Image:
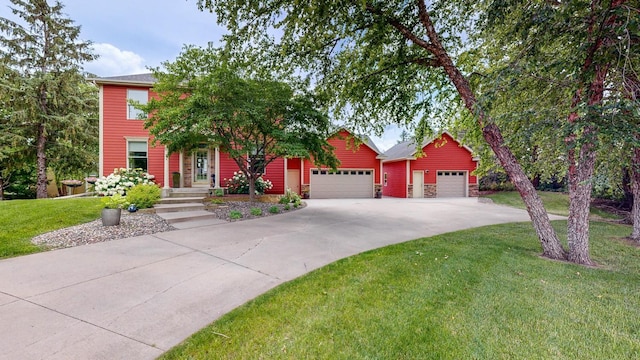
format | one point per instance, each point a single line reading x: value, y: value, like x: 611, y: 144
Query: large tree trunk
x: 41, y: 183
x: 580, y: 184
x: 251, y: 177
x: 635, y: 185
x: 551, y: 246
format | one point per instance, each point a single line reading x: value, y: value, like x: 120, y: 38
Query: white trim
x: 286, y: 175
x: 136, y: 139
x: 217, y: 167
x: 408, y: 176
x: 181, y: 167
x: 101, y: 132
x: 166, y: 167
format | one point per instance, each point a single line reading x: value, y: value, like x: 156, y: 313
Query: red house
x: 359, y: 174
x: 444, y: 169
x: 124, y: 143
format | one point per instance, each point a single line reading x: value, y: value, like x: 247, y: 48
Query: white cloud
x: 389, y: 138
x: 113, y: 61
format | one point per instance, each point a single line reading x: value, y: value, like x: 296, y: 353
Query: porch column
x: 166, y: 168
x: 217, y: 168
x: 286, y: 176
x: 181, y: 168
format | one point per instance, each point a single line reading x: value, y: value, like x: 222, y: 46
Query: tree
x: 203, y: 98
x: 570, y: 52
x: 381, y: 61
x: 48, y: 98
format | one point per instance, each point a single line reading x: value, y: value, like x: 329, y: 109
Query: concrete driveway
x: 136, y: 298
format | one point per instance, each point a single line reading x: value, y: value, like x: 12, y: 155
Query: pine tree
x: 49, y: 102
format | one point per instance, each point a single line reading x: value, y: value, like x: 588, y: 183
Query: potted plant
x: 112, y: 209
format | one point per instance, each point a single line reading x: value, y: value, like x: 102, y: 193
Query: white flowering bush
x: 121, y: 180
x: 239, y: 184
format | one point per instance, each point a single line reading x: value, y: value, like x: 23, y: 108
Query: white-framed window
x: 140, y: 96
x: 385, y: 179
x: 137, y: 155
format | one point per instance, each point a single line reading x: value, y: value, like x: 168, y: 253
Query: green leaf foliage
x: 49, y: 110
x: 256, y: 120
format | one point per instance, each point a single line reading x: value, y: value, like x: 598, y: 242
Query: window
x: 140, y: 96
x: 137, y: 151
x: 385, y: 179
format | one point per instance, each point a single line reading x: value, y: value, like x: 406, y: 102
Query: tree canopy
x: 204, y: 98
x: 398, y: 61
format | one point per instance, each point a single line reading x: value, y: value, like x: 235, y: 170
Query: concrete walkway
x: 136, y: 298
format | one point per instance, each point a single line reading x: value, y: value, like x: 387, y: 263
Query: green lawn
x: 555, y: 203
x: 477, y: 294
x: 21, y: 220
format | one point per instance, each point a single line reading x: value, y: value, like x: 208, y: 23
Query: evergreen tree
x: 49, y: 100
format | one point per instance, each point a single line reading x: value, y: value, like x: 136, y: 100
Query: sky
x: 130, y: 36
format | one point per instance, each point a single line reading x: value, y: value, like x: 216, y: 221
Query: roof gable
x: 407, y: 150
x: 365, y: 139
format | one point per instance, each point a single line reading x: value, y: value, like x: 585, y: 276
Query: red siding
x: 116, y: 128
x: 293, y: 164
x: 361, y: 157
x: 396, y: 179
x: 274, y: 173
x: 443, y: 154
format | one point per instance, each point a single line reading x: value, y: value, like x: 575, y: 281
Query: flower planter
x: 111, y: 217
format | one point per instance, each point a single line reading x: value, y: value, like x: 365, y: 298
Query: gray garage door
x: 451, y: 184
x: 343, y: 183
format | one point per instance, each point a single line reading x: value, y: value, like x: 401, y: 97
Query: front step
x: 180, y: 200
x: 188, y: 192
x: 176, y: 217
x: 179, y: 207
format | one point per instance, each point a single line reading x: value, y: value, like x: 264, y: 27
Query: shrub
x: 289, y: 197
x: 274, y: 209
x: 218, y: 192
x: 143, y: 195
x: 235, y: 215
x: 122, y: 180
x: 287, y: 207
x: 115, y: 201
x: 256, y: 211
x: 239, y: 184
x: 217, y: 201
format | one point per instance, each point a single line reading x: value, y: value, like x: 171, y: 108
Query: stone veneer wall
x: 473, y: 190
x: 410, y: 191
x: 187, y: 172
x: 430, y: 190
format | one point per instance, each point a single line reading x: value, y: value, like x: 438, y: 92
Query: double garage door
x: 343, y: 183
x: 452, y: 184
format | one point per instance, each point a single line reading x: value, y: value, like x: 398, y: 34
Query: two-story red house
x: 124, y: 143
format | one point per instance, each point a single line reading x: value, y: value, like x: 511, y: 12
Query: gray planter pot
x: 111, y: 217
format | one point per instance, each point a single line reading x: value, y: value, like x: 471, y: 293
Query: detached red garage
x: 444, y: 170
x: 358, y: 175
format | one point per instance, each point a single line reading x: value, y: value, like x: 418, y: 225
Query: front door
x: 293, y: 180
x: 418, y: 184
x: 201, y: 166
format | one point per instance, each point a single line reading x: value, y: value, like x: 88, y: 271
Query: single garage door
x: 451, y: 184
x: 343, y: 183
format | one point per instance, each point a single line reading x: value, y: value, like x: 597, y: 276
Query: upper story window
x: 141, y: 96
